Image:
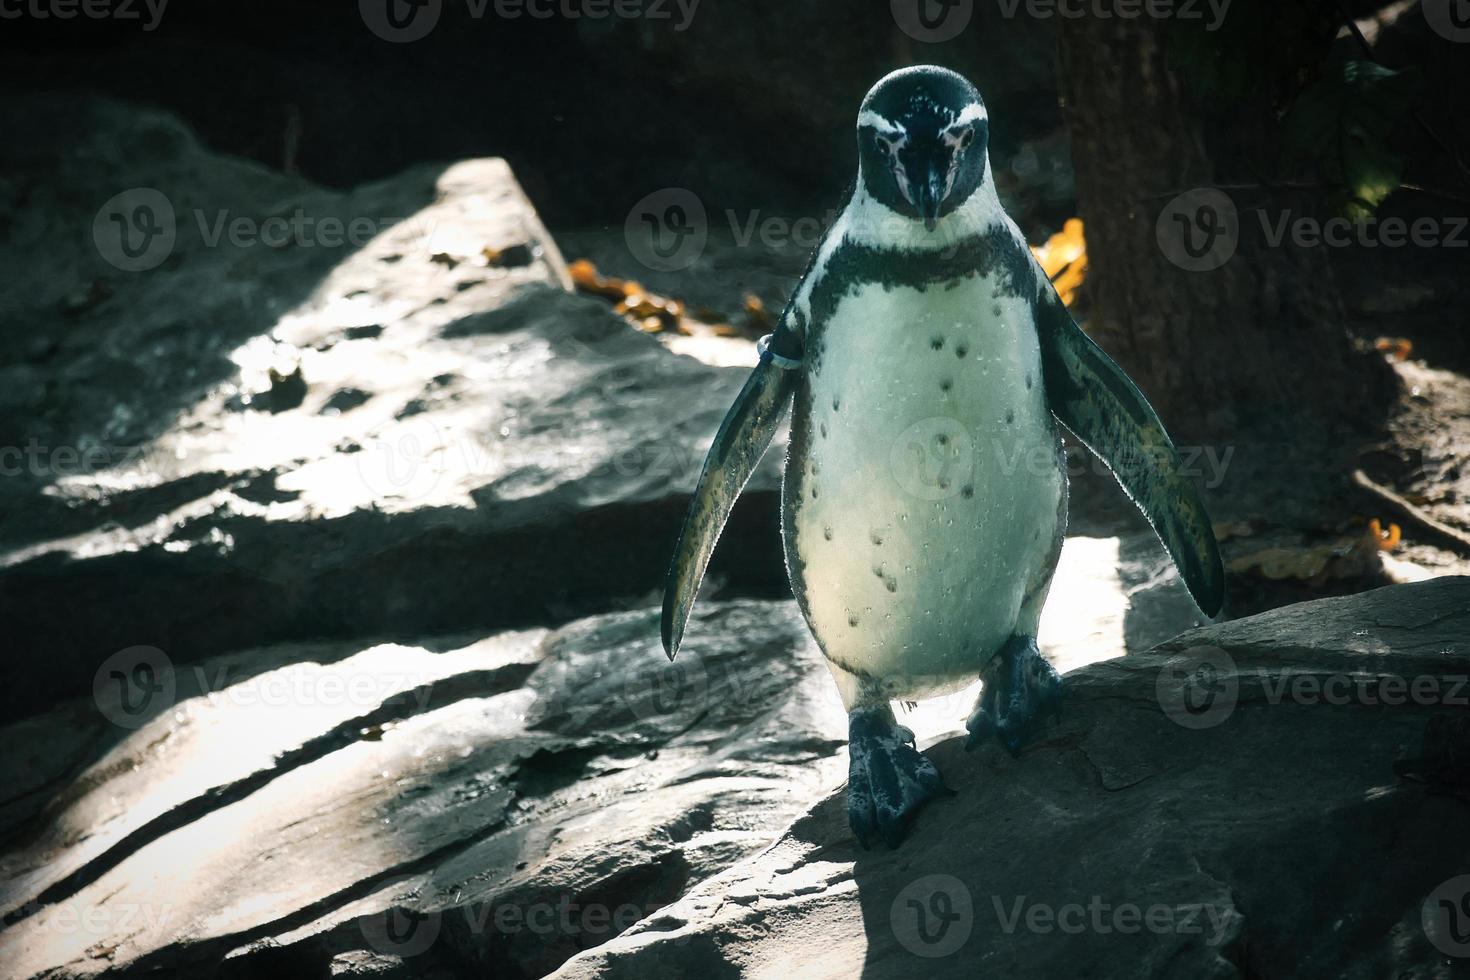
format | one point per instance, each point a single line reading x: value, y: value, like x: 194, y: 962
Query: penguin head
x: 922, y: 135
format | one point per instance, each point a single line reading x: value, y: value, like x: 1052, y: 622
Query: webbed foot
x: 888, y: 779
x: 1021, y: 688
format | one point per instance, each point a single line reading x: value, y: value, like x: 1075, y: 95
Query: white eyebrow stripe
x: 870, y: 118
x: 970, y: 113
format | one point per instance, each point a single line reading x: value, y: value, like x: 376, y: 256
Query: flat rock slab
x: 527, y: 794
x: 1284, y: 795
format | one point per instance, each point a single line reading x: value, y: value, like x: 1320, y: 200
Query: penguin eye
x: 883, y: 143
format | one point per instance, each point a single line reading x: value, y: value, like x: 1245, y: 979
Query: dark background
x: 750, y: 106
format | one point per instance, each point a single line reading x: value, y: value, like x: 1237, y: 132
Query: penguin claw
x: 1021, y: 688
x: 888, y: 779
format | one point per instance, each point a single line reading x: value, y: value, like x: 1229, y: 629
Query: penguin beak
x: 931, y: 196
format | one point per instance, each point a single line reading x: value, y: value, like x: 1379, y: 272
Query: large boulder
x: 366, y: 413
x: 1280, y: 795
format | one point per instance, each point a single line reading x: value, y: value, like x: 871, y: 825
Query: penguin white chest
x: 924, y: 492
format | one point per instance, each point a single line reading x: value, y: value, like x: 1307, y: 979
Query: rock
x: 1266, y: 832
x: 523, y: 795
x: 387, y: 435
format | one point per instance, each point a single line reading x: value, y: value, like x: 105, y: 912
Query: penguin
x: 928, y: 365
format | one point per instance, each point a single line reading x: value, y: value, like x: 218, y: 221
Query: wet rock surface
x: 1269, y: 816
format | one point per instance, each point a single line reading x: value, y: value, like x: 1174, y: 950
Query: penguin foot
x: 888, y: 779
x: 1021, y: 688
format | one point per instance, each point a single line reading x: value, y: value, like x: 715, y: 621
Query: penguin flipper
x: 737, y: 448
x: 1092, y: 397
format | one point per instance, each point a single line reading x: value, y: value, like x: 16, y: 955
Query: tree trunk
x: 1260, y: 338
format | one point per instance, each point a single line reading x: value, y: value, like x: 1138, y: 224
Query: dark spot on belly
x: 835, y: 404
x: 942, y: 439
x: 1028, y: 380
x: 944, y: 483
x: 814, y: 493
x: 824, y: 430
x: 1010, y: 415
x: 877, y: 537
x: 961, y: 351
x: 827, y: 532
x: 967, y: 491
x: 995, y: 310
x: 852, y: 619
x: 946, y: 384
x: 890, y: 583
x: 937, y: 343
